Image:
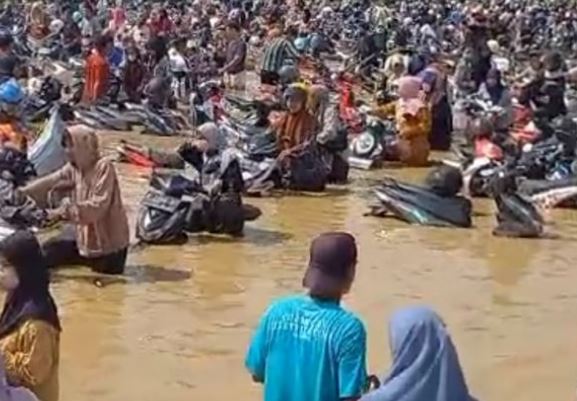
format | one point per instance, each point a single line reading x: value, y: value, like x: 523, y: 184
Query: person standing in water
x: 308, y: 347
x: 29, y: 324
x: 425, y: 363
x: 99, y: 234
x: 97, y: 70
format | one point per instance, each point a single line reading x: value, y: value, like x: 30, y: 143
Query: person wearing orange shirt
x: 97, y: 71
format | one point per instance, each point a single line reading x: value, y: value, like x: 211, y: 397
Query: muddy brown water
x: 177, y: 327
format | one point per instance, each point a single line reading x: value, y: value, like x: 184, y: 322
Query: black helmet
x: 445, y: 181
x: 288, y: 74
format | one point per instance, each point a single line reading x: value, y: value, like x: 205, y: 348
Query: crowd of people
x: 420, y: 59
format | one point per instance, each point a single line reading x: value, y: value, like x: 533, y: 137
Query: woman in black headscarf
x: 29, y: 323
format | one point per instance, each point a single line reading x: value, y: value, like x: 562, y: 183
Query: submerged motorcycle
x: 208, y: 200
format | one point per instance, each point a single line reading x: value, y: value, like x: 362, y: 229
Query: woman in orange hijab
x: 297, y: 126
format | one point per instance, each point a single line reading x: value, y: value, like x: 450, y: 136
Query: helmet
x: 288, y: 74
x: 295, y: 92
x: 445, y: 181
x: 56, y: 26
x: 77, y: 17
x: 11, y: 92
x: 11, y: 96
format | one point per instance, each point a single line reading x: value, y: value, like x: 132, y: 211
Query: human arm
x: 32, y: 364
x: 40, y: 189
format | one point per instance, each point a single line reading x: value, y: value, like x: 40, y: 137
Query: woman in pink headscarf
x: 117, y: 19
x: 413, y: 119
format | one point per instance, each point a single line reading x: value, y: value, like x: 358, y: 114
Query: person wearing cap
x: 308, y: 347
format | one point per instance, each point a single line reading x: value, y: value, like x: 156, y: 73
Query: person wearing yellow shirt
x: 29, y: 323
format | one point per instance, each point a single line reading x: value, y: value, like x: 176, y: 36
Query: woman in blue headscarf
x: 425, y: 363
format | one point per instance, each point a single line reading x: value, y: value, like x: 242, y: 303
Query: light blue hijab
x: 425, y: 363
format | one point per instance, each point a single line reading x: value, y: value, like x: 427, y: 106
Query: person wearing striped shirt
x: 276, y: 55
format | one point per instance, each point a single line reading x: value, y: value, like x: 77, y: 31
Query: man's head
x: 103, y: 44
x: 232, y: 30
x: 291, y: 32
x: 332, y: 265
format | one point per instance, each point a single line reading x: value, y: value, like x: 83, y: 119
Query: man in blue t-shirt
x: 307, y: 347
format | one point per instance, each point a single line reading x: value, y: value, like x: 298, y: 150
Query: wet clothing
x: 278, y: 53
x: 62, y: 250
x: 96, y: 203
x: 31, y: 357
x: 425, y: 363
x: 306, y: 349
x: 97, y: 75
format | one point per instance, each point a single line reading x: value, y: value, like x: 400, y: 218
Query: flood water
x: 177, y: 327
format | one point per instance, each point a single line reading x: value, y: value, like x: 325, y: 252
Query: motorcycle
x: 377, y: 143
x: 178, y: 204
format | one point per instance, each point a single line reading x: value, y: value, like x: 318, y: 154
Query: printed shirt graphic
x: 308, y: 350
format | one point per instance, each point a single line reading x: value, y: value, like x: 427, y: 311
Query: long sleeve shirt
x: 31, y: 358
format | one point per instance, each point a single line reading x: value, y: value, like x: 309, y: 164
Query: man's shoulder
x: 352, y: 322
x: 287, y: 302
